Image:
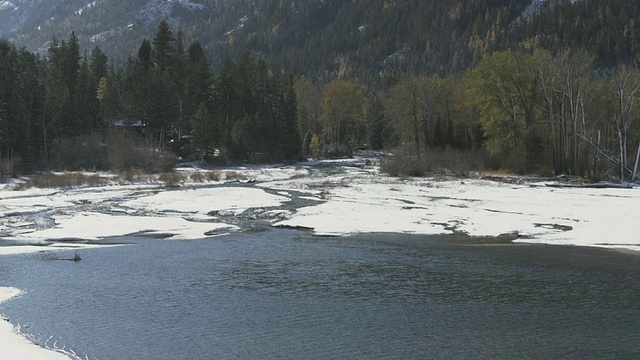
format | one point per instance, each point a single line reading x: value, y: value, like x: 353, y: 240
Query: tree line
x: 524, y: 111
x: 521, y: 110
x: 72, y: 110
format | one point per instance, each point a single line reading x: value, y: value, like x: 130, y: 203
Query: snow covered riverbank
x: 340, y: 198
x: 329, y: 198
x: 16, y: 346
x: 529, y: 212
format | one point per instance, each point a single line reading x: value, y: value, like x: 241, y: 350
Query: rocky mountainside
x: 106, y: 23
x: 336, y: 38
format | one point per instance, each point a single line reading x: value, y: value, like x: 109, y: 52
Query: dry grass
x: 202, y: 176
x: 214, y: 176
x: 172, y: 179
x: 197, y: 176
x: 64, y: 180
x: 128, y: 176
x: 447, y: 161
x: 131, y: 175
x: 234, y: 175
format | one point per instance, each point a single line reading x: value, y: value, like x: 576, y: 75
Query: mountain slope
x: 328, y: 38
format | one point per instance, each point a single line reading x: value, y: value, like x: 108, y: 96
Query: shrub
x: 164, y: 162
x: 335, y: 151
x: 10, y: 166
x: 85, y: 152
x: 171, y: 179
x: 448, y: 160
x: 404, y: 165
x: 233, y: 175
x: 213, y: 176
x: 130, y: 175
x: 64, y: 180
x: 201, y: 176
x: 127, y: 153
x: 197, y: 176
x: 516, y: 161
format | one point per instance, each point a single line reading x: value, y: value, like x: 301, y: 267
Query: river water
x: 282, y: 294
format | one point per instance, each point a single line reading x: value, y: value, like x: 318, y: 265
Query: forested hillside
x: 326, y: 39
x: 543, y: 86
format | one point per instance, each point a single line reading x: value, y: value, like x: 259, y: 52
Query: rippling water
x: 287, y: 295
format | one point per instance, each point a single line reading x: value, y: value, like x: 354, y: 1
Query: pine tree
x: 197, y: 81
x: 99, y: 64
x: 203, y: 131
x: 266, y: 139
x: 8, y: 59
x: 144, y: 54
x: 29, y: 99
x: 163, y: 49
x: 226, y: 101
x: 291, y: 142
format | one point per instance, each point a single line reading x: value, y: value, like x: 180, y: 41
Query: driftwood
x: 592, y: 186
x: 46, y: 255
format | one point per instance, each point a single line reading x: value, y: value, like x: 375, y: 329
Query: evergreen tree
x: 99, y: 64
x: 8, y: 62
x: 144, y: 54
x: 267, y: 138
x: 163, y: 47
x: 226, y: 101
x: 198, y: 81
x: 203, y: 131
x: 29, y: 100
x: 64, y: 62
x: 291, y: 142
x: 71, y: 62
x: 87, y: 118
x: 247, y: 80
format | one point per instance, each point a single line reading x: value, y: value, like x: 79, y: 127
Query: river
x: 284, y: 294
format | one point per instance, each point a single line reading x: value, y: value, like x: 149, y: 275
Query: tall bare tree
x: 627, y: 88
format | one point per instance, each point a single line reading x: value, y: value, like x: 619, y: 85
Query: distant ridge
x: 337, y: 38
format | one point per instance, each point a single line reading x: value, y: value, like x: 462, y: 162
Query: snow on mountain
x: 18, y: 16
x: 33, y: 22
x: 534, y: 7
x: 537, y: 5
x: 190, y: 5
x: 88, y: 6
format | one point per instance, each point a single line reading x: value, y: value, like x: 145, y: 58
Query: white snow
x: 351, y: 198
x: 86, y: 7
x: 344, y: 197
x: 191, y: 5
x: 95, y: 226
x: 206, y: 200
x: 539, y: 214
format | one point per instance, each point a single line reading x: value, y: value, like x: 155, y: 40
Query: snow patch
x: 87, y: 7
x: 96, y: 226
x: 204, y: 201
